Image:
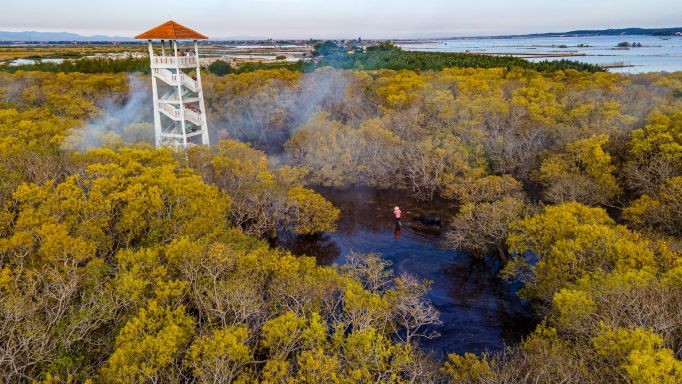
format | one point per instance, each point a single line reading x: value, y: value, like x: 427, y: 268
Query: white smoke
x: 267, y: 117
x: 265, y: 120
x: 118, y: 124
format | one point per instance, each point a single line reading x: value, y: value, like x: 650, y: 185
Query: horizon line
x: 261, y: 38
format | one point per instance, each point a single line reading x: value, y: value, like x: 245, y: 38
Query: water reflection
x: 479, y: 311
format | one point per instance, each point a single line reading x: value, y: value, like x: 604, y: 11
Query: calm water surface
x: 656, y: 54
x: 18, y: 62
x: 479, y: 311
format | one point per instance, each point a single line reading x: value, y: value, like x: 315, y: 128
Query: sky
x: 369, y: 19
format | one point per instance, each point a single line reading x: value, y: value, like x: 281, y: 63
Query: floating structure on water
x: 179, y: 110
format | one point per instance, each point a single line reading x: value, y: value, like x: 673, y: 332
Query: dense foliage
x: 220, y: 68
x: 85, y: 65
x: 125, y: 263
x: 381, y: 56
x: 133, y: 265
x: 299, y: 66
x: 574, y: 134
x: 389, y: 56
x: 490, y: 138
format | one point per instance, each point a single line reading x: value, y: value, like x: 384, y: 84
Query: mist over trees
x: 574, y: 133
x: 124, y: 263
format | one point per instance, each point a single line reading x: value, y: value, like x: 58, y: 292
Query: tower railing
x: 193, y: 116
x: 175, y: 114
x: 173, y: 62
x: 174, y: 79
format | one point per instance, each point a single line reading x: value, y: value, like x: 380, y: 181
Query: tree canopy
x: 122, y: 263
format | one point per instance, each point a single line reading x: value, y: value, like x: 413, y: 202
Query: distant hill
x: 616, y: 32
x: 585, y: 32
x: 55, y: 36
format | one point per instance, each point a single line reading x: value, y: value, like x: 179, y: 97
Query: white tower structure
x: 179, y: 110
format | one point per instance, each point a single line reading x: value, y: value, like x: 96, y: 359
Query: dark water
x: 479, y: 311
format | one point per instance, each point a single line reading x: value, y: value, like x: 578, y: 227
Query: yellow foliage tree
x: 584, y: 173
x: 571, y: 241
x: 222, y: 356
x: 148, y: 344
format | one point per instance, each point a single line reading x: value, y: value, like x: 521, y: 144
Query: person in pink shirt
x: 397, y: 213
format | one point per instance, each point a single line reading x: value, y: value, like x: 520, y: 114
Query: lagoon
x: 656, y: 53
x: 480, y: 312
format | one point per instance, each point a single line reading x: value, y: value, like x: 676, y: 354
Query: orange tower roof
x: 171, y: 30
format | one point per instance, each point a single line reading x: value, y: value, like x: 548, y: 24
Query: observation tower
x: 179, y: 110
